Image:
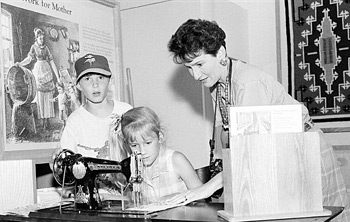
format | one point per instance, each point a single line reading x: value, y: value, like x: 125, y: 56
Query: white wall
x: 262, y: 18
x: 183, y: 105
x: 267, y: 36
x: 262, y: 33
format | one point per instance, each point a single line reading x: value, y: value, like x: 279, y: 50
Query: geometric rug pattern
x: 320, y: 55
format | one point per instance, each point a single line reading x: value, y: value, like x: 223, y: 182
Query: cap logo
x: 90, y: 59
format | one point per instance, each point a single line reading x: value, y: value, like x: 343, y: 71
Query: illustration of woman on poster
x: 43, y: 70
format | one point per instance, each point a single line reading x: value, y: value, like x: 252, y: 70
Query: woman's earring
x: 223, y: 62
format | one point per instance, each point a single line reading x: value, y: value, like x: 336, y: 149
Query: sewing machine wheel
x: 58, y: 169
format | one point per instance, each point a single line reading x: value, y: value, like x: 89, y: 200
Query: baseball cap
x: 91, y: 63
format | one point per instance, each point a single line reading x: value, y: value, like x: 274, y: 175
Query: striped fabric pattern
x: 164, y: 180
x: 333, y: 185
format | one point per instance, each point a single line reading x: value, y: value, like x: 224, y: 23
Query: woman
x: 42, y: 71
x: 200, y: 46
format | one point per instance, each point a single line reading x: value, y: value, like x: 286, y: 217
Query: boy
x: 88, y: 127
x: 61, y: 98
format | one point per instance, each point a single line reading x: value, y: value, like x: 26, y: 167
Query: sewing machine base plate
x: 108, y: 207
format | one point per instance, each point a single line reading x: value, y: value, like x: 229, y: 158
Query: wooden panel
x: 273, y: 175
x: 17, y: 186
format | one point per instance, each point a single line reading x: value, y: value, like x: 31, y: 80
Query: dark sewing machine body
x: 85, y: 173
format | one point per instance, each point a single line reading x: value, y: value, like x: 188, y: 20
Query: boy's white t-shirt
x: 87, y: 134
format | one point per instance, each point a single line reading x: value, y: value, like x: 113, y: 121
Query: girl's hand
x: 199, y: 193
x: 177, y: 199
x: 187, y: 196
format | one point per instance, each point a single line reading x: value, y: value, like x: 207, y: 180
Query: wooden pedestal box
x: 272, y: 176
x: 17, y: 184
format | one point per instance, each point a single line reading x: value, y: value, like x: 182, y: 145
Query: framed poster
x: 41, y: 40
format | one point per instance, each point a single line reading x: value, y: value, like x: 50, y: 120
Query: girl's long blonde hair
x: 137, y: 121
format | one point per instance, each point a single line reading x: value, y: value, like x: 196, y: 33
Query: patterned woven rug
x: 319, y: 36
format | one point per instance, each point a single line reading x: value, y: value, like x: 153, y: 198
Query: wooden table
x: 208, y: 212
x: 198, y: 212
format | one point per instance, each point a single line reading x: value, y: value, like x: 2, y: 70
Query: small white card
x: 248, y: 120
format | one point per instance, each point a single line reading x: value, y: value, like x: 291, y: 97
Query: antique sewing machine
x: 87, y: 173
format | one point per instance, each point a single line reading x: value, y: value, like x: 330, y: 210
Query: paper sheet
x: 154, y: 207
x: 248, y: 120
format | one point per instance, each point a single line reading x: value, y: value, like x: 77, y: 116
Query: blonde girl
x: 166, y: 171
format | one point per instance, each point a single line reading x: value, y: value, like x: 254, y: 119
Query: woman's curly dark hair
x: 193, y: 36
